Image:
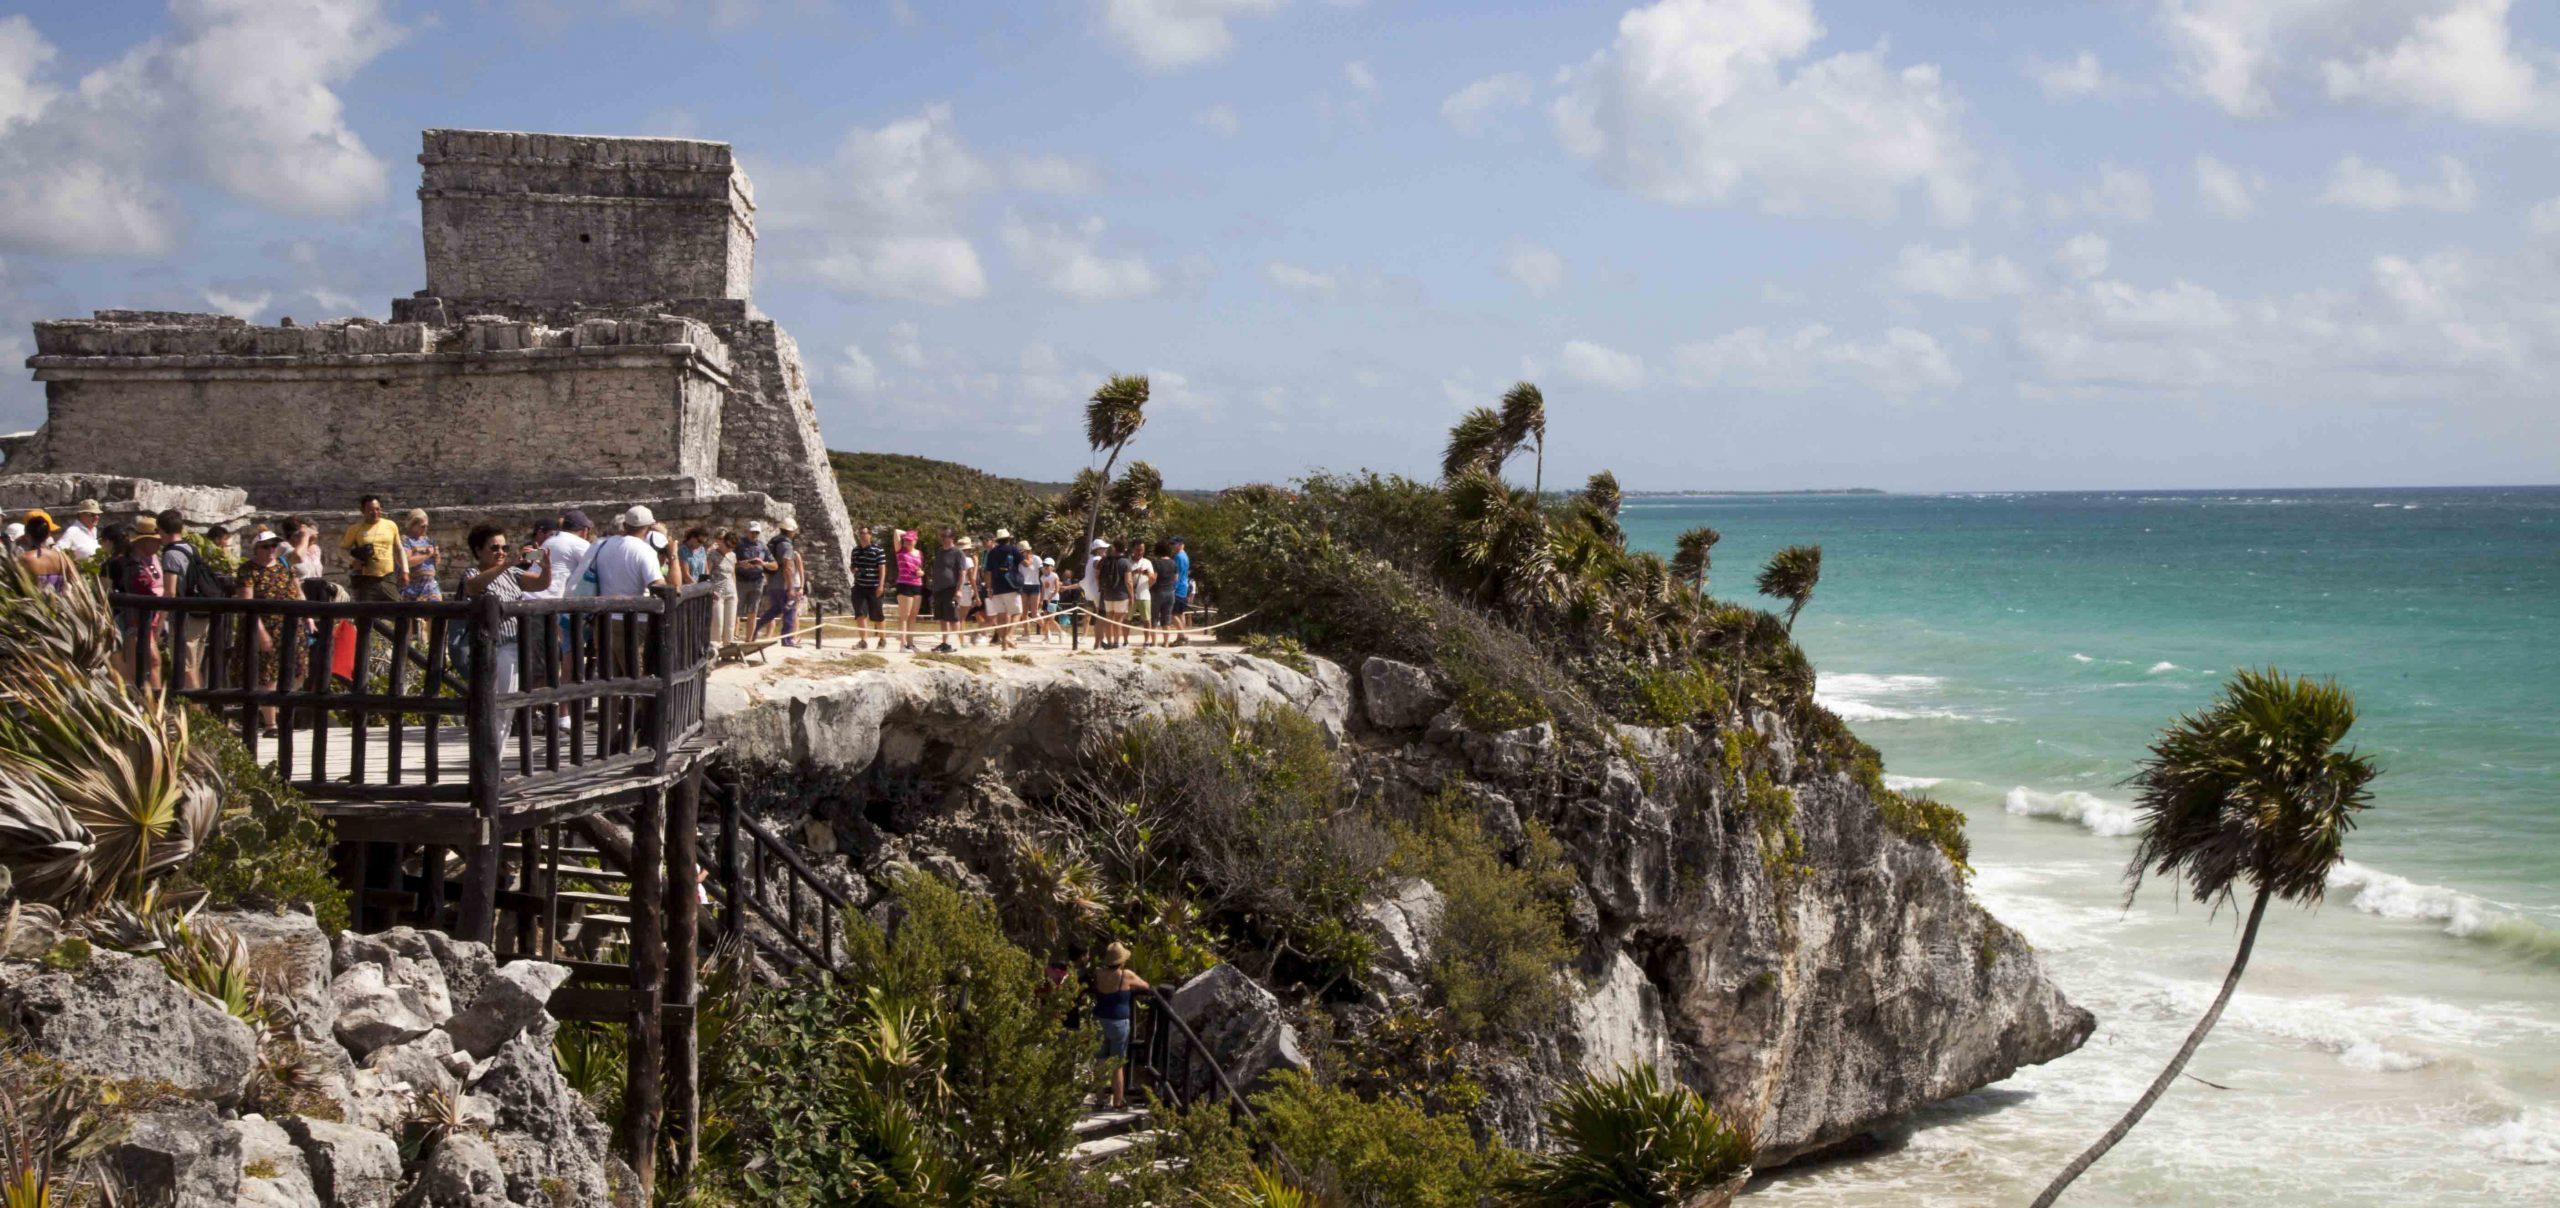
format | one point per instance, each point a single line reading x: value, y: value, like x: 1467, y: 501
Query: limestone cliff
x: 1818, y: 996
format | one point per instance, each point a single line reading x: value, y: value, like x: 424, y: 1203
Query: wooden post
x: 684, y: 967
x: 658, y: 663
x: 481, y: 713
x: 644, y: 1076
x: 733, y: 919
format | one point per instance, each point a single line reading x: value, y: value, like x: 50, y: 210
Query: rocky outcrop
x: 1243, y: 1027
x: 379, y: 1023
x: 1817, y: 974
x: 950, y: 720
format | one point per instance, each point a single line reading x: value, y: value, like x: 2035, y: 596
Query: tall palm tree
x: 1791, y: 575
x: 1476, y: 442
x: 2253, y: 788
x: 1111, y: 419
x: 1691, y: 555
x: 1140, y: 488
x: 1524, y: 420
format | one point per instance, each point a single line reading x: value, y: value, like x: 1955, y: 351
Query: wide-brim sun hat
x: 86, y: 507
x: 1117, y: 953
x: 1004, y: 534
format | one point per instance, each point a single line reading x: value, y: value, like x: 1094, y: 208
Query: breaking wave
x: 2461, y: 915
x: 2090, y: 810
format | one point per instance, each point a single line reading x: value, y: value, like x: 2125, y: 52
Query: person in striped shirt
x: 870, y: 567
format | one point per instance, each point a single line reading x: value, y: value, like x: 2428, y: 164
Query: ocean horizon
x: 2012, y: 652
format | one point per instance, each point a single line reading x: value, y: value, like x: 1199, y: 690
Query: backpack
x: 194, y: 575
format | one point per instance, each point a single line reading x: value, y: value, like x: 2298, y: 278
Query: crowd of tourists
x: 951, y: 588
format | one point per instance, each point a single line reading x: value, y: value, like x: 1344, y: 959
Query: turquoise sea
x: 2013, y: 653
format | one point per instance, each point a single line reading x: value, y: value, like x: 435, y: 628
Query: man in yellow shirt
x: 375, y: 569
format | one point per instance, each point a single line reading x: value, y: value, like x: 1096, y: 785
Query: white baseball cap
x: 755, y: 526
x: 1099, y: 543
x: 657, y: 540
x: 639, y: 517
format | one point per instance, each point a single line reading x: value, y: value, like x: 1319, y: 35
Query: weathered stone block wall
x: 560, y: 217
x: 281, y: 411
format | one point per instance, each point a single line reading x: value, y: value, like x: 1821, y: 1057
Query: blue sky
x: 1740, y: 243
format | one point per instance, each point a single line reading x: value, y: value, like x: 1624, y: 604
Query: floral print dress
x: 274, y: 581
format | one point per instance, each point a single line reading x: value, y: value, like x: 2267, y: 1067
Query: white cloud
x: 885, y: 211
x: 1473, y: 109
x: 332, y: 303
x: 240, y: 95
x: 245, y: 306
x: 856, y: 371
x: 2543, y: 221
x: 2358, y: 185
x: 2455, y: 57
x: 2083, y: 255
x: 2432, y: 331
x: 2458, y: 61
x: 1167, y: 35
x: 2081, y: 76
x: 2226, y: 190
x: 1362, y: 80
x: 1601, y: 366
x: 1298, y: 280
x: 1066, y: 260
x: 906, y: 344
x: 1900, y: 362
x: 1710, y: 102
x: 1955, y: 273
x: 1219, y: 119
x: 1539, y: 270
x: 1053, y: 173
x: 2121, y: 194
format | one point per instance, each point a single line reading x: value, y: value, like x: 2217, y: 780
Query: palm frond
x: 1524, y: 414
x: 1791, y: 574
x: 2255, y: 787
x: 1693, y: 553
x: 1629, y: 1140
x: 1476, y: 443
x: 1116, y: 411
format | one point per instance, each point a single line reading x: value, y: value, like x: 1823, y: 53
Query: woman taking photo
x: 497, y: 570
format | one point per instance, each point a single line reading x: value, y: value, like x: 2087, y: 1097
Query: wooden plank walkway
x: 449, y: 755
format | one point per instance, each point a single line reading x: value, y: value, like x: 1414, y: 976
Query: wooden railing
x: 362, y: 706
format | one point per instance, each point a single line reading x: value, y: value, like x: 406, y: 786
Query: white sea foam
x: 2462, y: 915
x: 2163, y: 667
x: 1905, y: 784
x: 2078, y: 657
x: 1860, y: 697
x: 2531, y: 1138
x: 2098, y: 814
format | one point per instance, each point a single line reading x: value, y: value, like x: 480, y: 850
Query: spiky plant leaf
x: 1116, y: 411
x: 1692, y: 554
x: 72, y: 629
x: 118, y: 764
x: 1628, y: 1140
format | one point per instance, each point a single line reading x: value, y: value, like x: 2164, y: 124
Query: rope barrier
x: 1124, y: 624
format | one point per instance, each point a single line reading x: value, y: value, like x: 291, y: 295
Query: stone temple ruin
x: 585, y: 339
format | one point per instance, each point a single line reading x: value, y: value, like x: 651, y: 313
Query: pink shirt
x: 910, y: 568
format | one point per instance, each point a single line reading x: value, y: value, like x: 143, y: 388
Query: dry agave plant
x: 73, y: 628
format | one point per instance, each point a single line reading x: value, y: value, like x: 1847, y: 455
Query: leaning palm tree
x: 1476, y: 442
x: 1791, y: 575
x: 1111, y: 419
x: 1140, y: 487
x: 1691, y: 555
x: 2254, y: 788
x: 1524, y: 421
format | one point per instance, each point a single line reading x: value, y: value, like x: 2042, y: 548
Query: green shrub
x: 1501, y: 939
x: 1286, y: 651
x: 940, y: 1070
x: 271, y: 849
x: 1627, y: 1140
x: 1678, y: 696
x: 1771, y: 810
x: 1252, y: 820
x: 1917, y: 816
x: 1365, y: 1153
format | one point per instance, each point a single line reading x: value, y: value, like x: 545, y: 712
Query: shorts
x: 1181, y: 605
x: 866, y: 605
x: 1115, y: 608
x: 1005, y: 604
x: 1115, y: 1038
x: 910, y: 590
x: 1138, y: 609
x: 946, y: 606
